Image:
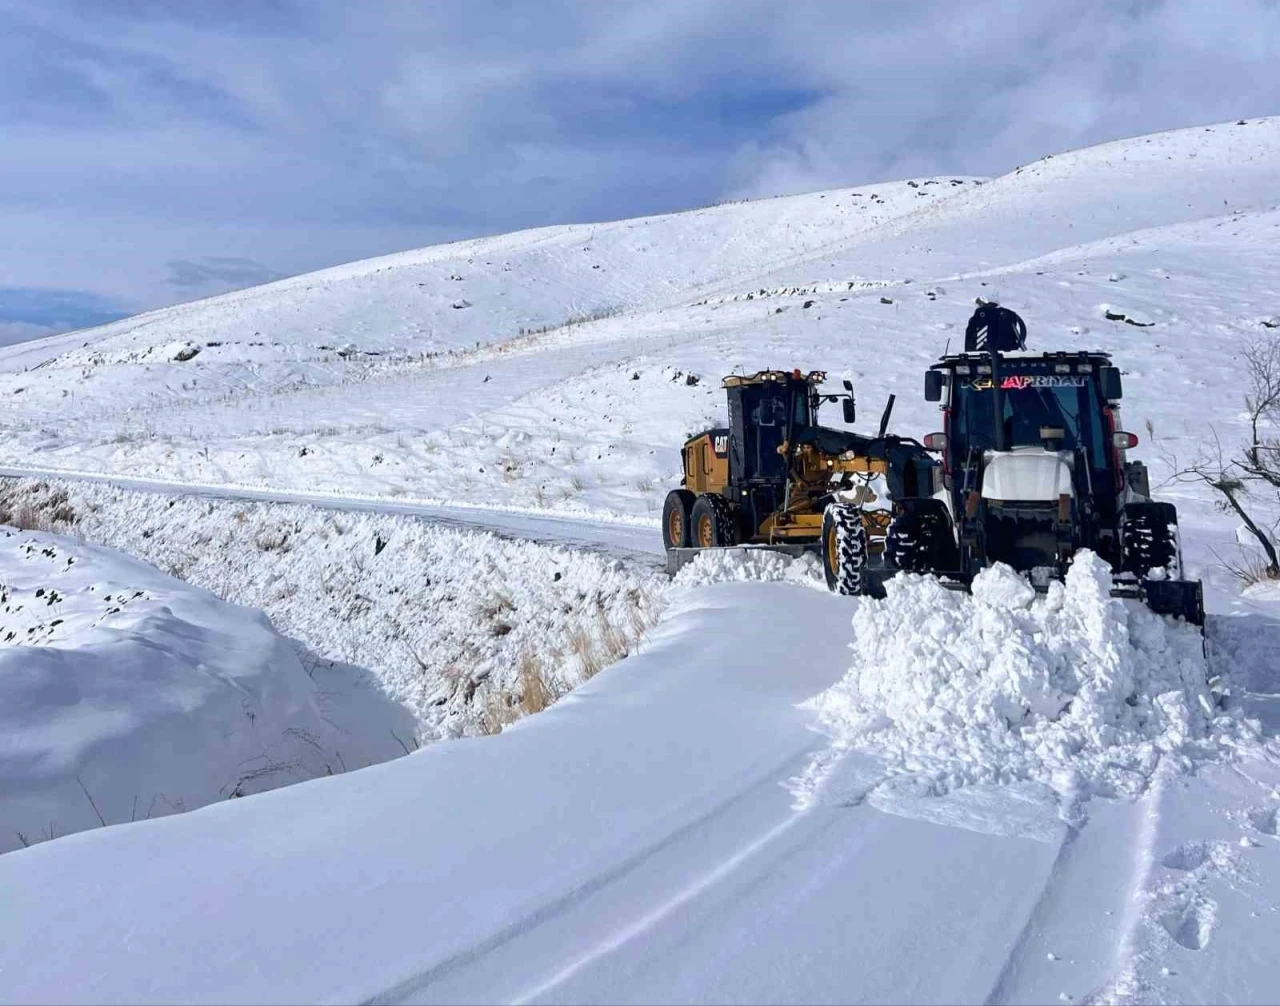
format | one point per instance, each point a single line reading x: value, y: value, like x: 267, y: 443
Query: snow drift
x: 126, y: 694
x: 1076, y: 690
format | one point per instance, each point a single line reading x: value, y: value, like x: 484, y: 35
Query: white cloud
x: 302, y: 134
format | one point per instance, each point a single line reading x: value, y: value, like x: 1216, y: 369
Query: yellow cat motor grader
x: 775, y: 479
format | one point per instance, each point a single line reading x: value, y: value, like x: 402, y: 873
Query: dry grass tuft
x: 604, y: 644
x: 35, y: 507
x: 1250, y: 569
x: 533, y: 692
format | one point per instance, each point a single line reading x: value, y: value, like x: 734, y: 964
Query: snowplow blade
x: 677, y: 558
x: 1174, y: 598
x: 1179, y: 598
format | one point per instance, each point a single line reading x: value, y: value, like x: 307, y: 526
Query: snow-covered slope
x: 1178, y: 230
x: 345, y: 323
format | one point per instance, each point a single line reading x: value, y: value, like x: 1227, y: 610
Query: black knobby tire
x: 1149, y: 539
x: 677, y: 513
x: 907, y: 544
x: 711, y: 522
x: 919, y: 540
x: 844, y: 549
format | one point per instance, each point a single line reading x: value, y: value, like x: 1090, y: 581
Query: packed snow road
x: 634, y: 538
x: 642, y: 841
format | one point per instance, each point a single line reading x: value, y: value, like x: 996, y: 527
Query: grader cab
x: 767, y: 479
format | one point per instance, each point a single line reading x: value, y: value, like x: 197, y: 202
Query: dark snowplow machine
x: 1034, y: 469
x: 774, y: 479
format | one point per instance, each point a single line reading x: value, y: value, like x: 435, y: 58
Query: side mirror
x: 933, y: 385
x: 850, y: 410
x: 935, y: 441
x: 1122, y: 441
x: 1111, y: 387
x: 848, y: 385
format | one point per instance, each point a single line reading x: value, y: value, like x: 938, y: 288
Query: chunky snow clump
x: 741, y: 564
x: 1075, y: 689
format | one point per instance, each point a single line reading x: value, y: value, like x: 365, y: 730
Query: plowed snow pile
x: 1077, y: 690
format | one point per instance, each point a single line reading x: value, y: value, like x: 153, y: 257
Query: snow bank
x: 467, y: 630
x: 126, y: 694
x: 1075, y: 690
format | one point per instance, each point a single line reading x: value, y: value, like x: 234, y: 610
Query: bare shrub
x: 1249, y: 568
x: 1254, y: 469
x: 28, y: 517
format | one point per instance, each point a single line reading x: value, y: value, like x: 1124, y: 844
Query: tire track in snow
x: 654, y: 916
x: 1021, y: 975
x: 1124, y: 981
x: 1003, y: 988
x: 412, y: 988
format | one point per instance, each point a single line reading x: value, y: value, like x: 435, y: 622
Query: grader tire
x: 712, y: 522
x: 677, y: 519
x: 844, y: 549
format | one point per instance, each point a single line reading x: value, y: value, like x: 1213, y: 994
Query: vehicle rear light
x: 935, y: 441
x: 1123, y: 441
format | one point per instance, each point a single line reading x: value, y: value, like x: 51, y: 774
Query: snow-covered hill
x: 365, y: 379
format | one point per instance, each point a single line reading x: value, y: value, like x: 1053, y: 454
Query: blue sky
x: 156, y: 152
